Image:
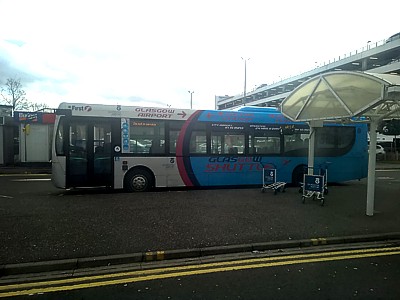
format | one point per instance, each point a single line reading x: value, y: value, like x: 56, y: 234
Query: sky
x: 152, y: 53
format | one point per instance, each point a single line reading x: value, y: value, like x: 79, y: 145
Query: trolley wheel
x: 322, y: 201
x: 283, y: 190
x: 301, y: 189
x: 275, y: 191
x: 326, y: 191
x: 303, y: 199
x: 262, y: 190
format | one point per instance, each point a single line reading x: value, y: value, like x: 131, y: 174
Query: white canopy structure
x: 349, y: 97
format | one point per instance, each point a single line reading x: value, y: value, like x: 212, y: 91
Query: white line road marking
x: 31, y: 179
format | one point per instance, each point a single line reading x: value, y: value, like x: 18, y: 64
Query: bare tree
x: 14, y: 95
x: 36, y: 106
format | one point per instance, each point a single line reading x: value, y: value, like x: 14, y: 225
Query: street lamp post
x: 245, y: 78
x: 191, y: 98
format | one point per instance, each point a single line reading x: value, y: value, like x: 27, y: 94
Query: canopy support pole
x: 311, y: 151
x: 371, y: 167
x: 314, y: 124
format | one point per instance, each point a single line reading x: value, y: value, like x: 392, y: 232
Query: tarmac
x: 45, y: 168
x: 27, y: 168
x: 191, y: 253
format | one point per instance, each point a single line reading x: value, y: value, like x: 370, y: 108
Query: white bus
x: 97, y: 145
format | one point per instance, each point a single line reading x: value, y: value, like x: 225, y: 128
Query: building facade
x: 7, y: 132
x: 35, y: 135
x: 380, y: 57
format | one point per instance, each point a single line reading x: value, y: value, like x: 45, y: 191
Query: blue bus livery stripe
x: 244, y: 117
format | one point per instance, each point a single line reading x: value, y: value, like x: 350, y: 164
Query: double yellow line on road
x: 75, y: 283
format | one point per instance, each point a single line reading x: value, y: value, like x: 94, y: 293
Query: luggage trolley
x: 315, y: 186
x: 269, y: 181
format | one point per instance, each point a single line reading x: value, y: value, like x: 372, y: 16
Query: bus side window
x: 265, y: 144
x: 157, y: 146
x: 296, y: 144
x: 334, y: 141
x: 147, y: 136
x: 59, y: 138
x: 223, y: 143
x: 233, y: 150
x: 198, y: 142
x: 216, y: 144
x: 235, y: 143
x: 174, y: 129
x: 173, y: 137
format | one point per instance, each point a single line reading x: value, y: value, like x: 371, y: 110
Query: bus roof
x: 121, y: 111
x: 269, y: 110
x: 245, y: 114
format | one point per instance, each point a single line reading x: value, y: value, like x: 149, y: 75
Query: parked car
x: 380, y: 151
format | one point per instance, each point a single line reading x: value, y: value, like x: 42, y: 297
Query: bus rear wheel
x: 297, y: 176
x: 139, y: 180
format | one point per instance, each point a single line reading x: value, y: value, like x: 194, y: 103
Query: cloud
x: 8, y: 67
x: 155, y: 51
x: 16, y: 42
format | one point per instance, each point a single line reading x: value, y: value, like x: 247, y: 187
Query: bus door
x: 90, y: 153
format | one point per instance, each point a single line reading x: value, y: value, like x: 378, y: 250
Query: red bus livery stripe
x: 179, y: 151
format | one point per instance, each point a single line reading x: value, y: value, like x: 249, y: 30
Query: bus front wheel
x: 139, y: 180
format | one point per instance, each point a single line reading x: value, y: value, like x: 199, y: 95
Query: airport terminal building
x: 380, y: 57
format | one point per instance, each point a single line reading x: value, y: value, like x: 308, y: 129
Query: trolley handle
x: 322, y: 167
